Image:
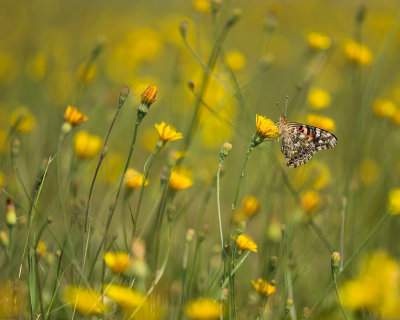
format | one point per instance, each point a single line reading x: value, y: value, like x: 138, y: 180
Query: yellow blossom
x: 384, y: 108
x: 74, y: 117
x: 310, y: 201
x: 118, y: 262
x: 149, y: 95
x: 369, y: 171
x: 203, y: 6
x: 318, y: 41
x: 167, y: 132
x: 316, y: 175
x: 86, y: 145
x: 318, y: 98
x: 41, y: 249
x: 250, y: 206
x: 394, y: 201
x: 396, y: 117
x: 322, y: 122
x: 134, y: 179
x: 112, y: 166
x: 181, y: 178
x: 203, y: 309
x: 36, y: 67
x: 86, y: 301
x: 377, y: 287
x: 263, y: 287
x: 26, y: 121
x: 245, y: 242
x: 235, y: 60
x: 124, y: 296
x: 13, y: 298
x: 358, y: 53
x: 266, y: 127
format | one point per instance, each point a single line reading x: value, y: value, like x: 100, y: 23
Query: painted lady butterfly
x: 301, y: 141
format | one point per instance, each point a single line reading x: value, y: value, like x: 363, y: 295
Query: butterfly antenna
x: 287, y: 100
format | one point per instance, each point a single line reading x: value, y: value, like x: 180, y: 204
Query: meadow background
x: 212, y: 66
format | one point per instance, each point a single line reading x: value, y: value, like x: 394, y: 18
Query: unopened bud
x: 15, y: 147
x: 224, y: 294
x: 4, y: 239
x: 191, y: 85
x: 189, y: 235
x: 123, y: 95
x: 225, y: 150
x: 289, y: 304
x: 236, y: 14
x: 183, y: 26
x: 335, y: 261
x: 149, y: 95
x: 273, y: 263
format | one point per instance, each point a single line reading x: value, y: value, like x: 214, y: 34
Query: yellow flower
x: 112, y: 166
x: 86, y: 74
x: 180, y: 178
x: 396, y: 117
x: 376, y: 289
x: 149, y: 95
x: 318, y: 41
x: 118, y: 262
x: 167, y: 133
x: 369, y: 171
x: 36, y: 67
x: 41, y: 249
x: 322, y: 122
x: 235, y: 60
x: 245, y: 242
x: 134, y: 179
x: 384, y: 108
x: 358, y: 53
x: 86, y: 145
x: 263, y: 287
x: 202, y: 5
x: 318, y: 98
x: 250, y: 206
x: 203, y: 309
x: 266, y: 127
x: 26, y: 121
x: 13, y: 296
x: 123, y: 296
x: 74, y: 117
x: 394, y: 201
x: 316, y: 175
x: 310, y: 201
x: 86, y: 301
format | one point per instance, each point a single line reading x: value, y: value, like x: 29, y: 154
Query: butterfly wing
x: 300, y: 142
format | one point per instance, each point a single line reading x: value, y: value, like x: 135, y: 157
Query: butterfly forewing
x: 301, y: 141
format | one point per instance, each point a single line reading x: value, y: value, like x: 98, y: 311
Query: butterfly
x: 301, y: 141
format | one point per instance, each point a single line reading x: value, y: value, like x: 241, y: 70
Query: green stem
x: 219, y: 205
x: 337, y: 294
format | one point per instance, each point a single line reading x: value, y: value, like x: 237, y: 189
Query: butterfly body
x: 301, y: 141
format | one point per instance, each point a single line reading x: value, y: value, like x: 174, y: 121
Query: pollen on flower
x: 358, y: 53
x: 322, y: 122
x: 263, y: 287
x: 134, y: 179
x: 86, y: 145
x: 318, y: 41
x: 318, y: 98
x: 203, y: 309
x: 74, y: 117
x: 245, y: 242
x: 181, y: 178
x: 86, y: 301
x: 266, y: 127
x: 167, y: 132
x: 118, y: 262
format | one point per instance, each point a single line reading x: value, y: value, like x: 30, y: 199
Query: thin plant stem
x: 219, y: 205
x: 337, y: 294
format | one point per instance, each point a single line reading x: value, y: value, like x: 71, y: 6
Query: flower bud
x: 335, y: 261
x: 11, y: 217
x: 189, y: 235
x: 123, y: 95
x: 225, y: 150
x: 149, y: 95
x: 4, y: 239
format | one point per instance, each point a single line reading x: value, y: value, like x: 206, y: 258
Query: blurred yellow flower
x: 36, y: 67
x: 26, y: 121
x: 167, y: 132
x: 396, y: 117
x: 263, y: 287
x: 310, y: 201
x: 134, y: 179
x: 235, y: 60
x: 74, y: 117
x: 383, y: 108
x: 250, y: 206
x: 124, y: 296
x: 394, y: 201
x: 266, y: 127
x: 316, y: 175
x: 13, y: 298
x: 86, y: 145
x: 112, y: 166
x: 322, y: 122
x: 181, y: 178
x: 203, y: 309
x: 244, y: 242
x: 318, y: 98
x: 376, y: 289
x: 86, y: 73
x: 118, y: 262
x: 41, y: 249
x: 86, y: 301
x: 149, y: 139
x: 318, y: 41
x: 203, y: 6
x: 358, y: 53
x: 1, y: 178
x: 8, y: 67
x: 369, y: 171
